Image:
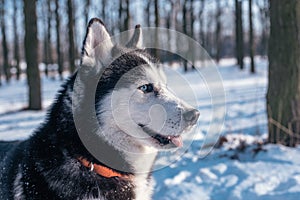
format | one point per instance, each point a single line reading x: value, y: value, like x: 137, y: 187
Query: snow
x: 242, y: 168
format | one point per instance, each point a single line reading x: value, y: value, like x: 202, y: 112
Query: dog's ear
x: 97, y: 44
x: 137, y: 39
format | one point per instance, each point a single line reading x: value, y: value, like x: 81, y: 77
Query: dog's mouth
x: 163, y: 140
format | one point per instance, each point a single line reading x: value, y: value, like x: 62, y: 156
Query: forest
x: 223, y: 28
x: 252, y: 45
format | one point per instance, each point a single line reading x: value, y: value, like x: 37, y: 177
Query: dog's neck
x: 141, y: 164
x: 127, y: 156
x: 103, y: 170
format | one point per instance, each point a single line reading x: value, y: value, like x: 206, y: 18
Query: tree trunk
x: 201, y: 23
x: 147, y: 10
x: 218, y: 31
x: 127, y: 16
x: 49, y: 18
x: 156, y: 12
x: 31, y: 54
x: 6, y: 67
x: 71, y: 37
x: 16, y: 41
x: 120, y: 14
x: 45, y: 42
x: 264, y: 18
x: 192, y: 18
x: 239, y: 35
x: 283, y: 98
x: 45, y: 52
x: 184, y: 23
x: 157, y: 24
x: 169, y: 22
x: 103, y: 9
x: 47, y: 38
x: 251, y: 42
x: 86, y: 11
x: 58, y: 47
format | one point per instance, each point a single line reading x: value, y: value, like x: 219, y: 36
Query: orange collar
x: 102, y: 170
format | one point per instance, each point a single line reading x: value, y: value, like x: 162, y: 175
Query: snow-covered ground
x: 241, y: 168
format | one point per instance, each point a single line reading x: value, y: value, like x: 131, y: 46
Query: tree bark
x: 48, y: 59
x: 251, y: 41
x: 239, y: 35
x: 86, y: 11
x: 16, y: 41
x: 6, y: 66
x: 58, y: 46
x: 283, y: 98
x: 49, y: 18
x: 45, y: 46
x: 157, y: 24
x: 103, y: 10
x: 192, y: 18
x: 31, y: 54
x: 192, y: 21
x: 120, y: 14
x: 184, y: 21
x: 127, y: 17
x: 201, y: 23
x: 218, y: 31
x: 147, y: 10
x: 264, y: 18
x: 71, y: 36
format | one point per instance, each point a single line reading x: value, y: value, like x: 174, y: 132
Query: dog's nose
x: 191, y: 116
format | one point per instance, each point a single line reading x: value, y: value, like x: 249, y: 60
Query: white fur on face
x: 126, y: 108
x: 162, y: 111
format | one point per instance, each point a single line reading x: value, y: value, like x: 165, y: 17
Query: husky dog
x: 54, y: 164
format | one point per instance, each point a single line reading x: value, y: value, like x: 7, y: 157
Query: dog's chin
x: 161, y: 141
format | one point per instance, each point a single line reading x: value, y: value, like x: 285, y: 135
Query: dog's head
x: 134, y: 106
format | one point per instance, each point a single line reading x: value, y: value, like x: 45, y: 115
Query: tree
x: 251, y: 42
x: 103, y: 10
x: 16, y: 41
x: 58, y: 46
x: 201, y: 23
x: 283, y: 97
x: 263, y: 6
x: 172, y: 22
x: 47, y: 37
x: 192, y: 18
x: 239, y: 36
x: 4, y: 42
x: 147, y: 11
x: 127, y: 17
x: 218, y: 31
x: 31, y: 54
x: 86, y: 10
x: 157, y: 23
x: 156, y: 13
x: 72, y: 53
x: 184, y: 23
x: 120, y: 14
x: 192, y: 21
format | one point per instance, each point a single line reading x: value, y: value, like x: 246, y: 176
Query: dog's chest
x: 143, y: 187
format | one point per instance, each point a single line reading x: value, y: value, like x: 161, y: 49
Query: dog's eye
x: 146, y: 88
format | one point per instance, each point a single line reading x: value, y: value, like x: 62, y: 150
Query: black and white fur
x: 45, y: 166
